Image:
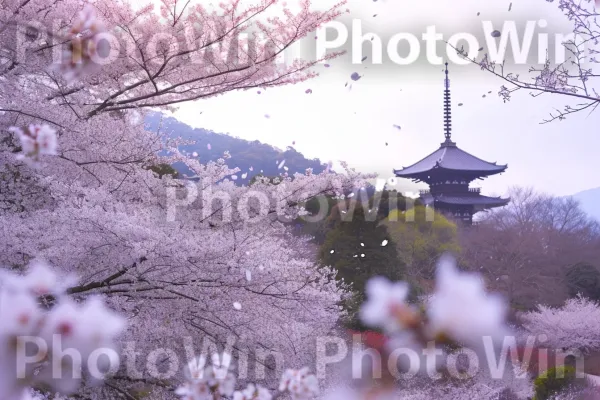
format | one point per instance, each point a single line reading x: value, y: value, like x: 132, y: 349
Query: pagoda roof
x: 478, y: 200
x: 450, y: 157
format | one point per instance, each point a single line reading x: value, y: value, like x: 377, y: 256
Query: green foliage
x: 585, y: 279
x: 421, y: 240
x: 316, y: 224
x: 163, y: 169
x: 386, y: 202
x: 358, y: 254
x: 553, y: 381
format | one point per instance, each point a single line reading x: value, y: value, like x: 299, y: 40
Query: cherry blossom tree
x: 180, y: 260
x: 576, y: 78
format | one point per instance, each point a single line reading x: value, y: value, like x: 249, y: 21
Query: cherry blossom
x: 461, y: 308
x: 386, y: 305
x: 85, y: 44
x: 37, y: 139
x: 253, y: 392
x: 300, y: 384
x: 84, y: 327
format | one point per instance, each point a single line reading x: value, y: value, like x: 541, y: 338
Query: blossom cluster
x: 34, y: 310
x: 85, y: 45
x: 36, y: 140
x: 459, y: 310
x: 217, y: 381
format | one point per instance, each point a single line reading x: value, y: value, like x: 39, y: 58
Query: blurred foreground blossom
x: 461, y: 309
x: 386, y: 305
x: 458, y: 312
x: 85, y: 45
x: 253, y: 392
x: 36, y: 139
x: 26, y: 310
x: 300, y: 384
x: 206, y: 382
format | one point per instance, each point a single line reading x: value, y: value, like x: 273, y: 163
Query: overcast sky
x: 338, y: 123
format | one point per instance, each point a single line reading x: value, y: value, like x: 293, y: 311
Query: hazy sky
x: 337, y: 123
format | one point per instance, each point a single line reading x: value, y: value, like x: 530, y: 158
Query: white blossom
x: 300, y: 384
x: 36, y: 139
x: 253, y: 392
x: 461, y: 309
x: 384, y: 301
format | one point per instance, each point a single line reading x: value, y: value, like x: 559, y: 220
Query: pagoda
x: 449, y: 171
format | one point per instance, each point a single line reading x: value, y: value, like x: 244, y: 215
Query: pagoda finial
x: 447, y: 112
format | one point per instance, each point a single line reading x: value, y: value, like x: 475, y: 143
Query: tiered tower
x: 449, y: 171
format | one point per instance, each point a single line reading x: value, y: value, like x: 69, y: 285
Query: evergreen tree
x: 359, y: 248
x: 584, y: 279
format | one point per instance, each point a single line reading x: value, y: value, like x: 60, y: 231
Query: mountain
x: 590, y: 202
x: 244, y: 154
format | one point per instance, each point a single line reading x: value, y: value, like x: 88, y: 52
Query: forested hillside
x: 251, y: 157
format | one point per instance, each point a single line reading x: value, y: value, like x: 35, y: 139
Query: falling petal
x: 258, y: 92
x: 208, y: 146
x: 250, y: 169
x: 355, y: 76
x: 386, y: 143
x: 362, y: 255
x: 483, y: 96
x: 237, y: 306
x: 480, y: 49
x: 351, y: 195
x: 362, y: 245
x: 510, y: 7
x: 195, y: 154
x: 496, y: 34
x: 281, y: 164
x: 267, y: 116
x: 244, y: 175
x: 234, y: 177
x: 285, y: 168
x: 294, y: 143
x: 460, y: 104
x: 248, y: 275
x: 489, y: 92
x: 398, y: 127
x: 384, y: 243
x: 308, y: 91
x: 332, y: 251
x: 327, y: 65
x: 346, y: 84
x: 478, y: 14
x: 364, y: 59
x: 374, y: 15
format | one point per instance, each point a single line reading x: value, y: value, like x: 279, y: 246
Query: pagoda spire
x: 447, y: 110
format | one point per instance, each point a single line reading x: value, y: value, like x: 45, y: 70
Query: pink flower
x: 36, y: 139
